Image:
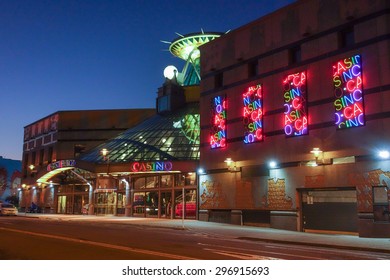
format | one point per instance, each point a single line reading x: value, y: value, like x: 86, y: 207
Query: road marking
x: 240, y: 256
x: 101, y: 244
x: 268, y: 252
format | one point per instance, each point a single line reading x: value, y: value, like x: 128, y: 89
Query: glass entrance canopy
x: 173, y: 136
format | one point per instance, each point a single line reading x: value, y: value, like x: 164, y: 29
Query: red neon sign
x: 253, y: 114
x: 218, y: 123
x: 295, y: 106
x: 348, y: 91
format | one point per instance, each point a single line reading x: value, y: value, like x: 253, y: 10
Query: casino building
x: 295, y: 120
x: 147, y: 169
x: 50, y: 148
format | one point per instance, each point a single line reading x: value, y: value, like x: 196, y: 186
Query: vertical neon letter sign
x: 295, y: 107
x: 253, y: 114
x: 348, y: 92
x: 218, y: 122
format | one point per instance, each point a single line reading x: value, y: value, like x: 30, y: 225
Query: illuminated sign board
x: 218, y: 122
x: 348, y: 92
x: 151, y: 166
x: 253, y: 114
x: 61, y: 164
x: 295, y: 105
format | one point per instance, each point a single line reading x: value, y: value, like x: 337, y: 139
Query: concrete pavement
x: 240, y: 232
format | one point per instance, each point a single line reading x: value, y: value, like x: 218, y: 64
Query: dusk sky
x: 82, y: 55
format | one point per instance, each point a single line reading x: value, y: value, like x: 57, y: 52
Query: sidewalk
x: 240, y: 232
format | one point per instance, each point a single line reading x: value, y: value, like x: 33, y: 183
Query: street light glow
x: 384, y: 154
x: 272, y: 164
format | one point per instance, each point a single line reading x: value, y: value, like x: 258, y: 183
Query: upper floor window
x: 295, y: 55
x: 253, y: 69
x: 78, y: 150
x: 346, y: 37
x: 218, y: 80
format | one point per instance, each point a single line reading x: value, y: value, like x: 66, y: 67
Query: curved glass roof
x: 173, y: 136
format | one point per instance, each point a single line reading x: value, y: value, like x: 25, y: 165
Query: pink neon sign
x: 253, y: 114
x: 218, y: 122
x: 348, y: 91
x: 295, y: 106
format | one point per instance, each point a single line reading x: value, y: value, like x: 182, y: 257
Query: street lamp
x: 272, y: 164
x: 104, y: 153
x: 384, y: 154
x: 106, y: 158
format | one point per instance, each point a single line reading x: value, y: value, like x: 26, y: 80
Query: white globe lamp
x: 170, y: 72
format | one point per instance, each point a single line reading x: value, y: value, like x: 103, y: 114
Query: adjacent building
x: 10, y: 179
x: 295, y: 128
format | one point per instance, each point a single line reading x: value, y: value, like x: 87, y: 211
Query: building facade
x: 295, y: 128
x: 51, y: 146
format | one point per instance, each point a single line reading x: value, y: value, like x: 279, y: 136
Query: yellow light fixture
x: 316, y: 152
x: 228, y: 161
x: 104, y: 152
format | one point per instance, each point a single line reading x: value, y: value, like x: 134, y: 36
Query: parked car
x: 8, y: 209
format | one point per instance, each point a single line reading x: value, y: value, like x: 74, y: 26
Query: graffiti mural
x: 277, y: 197
x: 364, y: 183
x: 212, y: 196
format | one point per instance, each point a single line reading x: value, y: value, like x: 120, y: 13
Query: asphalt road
x: 23, y: 238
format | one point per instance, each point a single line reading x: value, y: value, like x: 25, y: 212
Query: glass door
x: 61, y: 204
x: 166, y: 204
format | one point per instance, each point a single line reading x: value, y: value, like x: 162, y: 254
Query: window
x: 295, y: 55
x: 166, y: 181
x: 163, y: 103
x: 346, y: 37
x: 218, y: 80
x: 253, y: 69
x: 78, y: 150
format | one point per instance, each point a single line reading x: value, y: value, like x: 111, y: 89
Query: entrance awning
x: 45, y: 179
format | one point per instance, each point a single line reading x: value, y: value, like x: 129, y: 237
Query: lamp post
x: 106, y: 158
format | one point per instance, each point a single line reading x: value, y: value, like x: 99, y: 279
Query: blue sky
x: 81, y: 55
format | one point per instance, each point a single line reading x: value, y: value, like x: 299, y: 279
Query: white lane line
x: 240, y: 256
x: 277, y: 254
x: 347, y: 252
x: 101, y: 244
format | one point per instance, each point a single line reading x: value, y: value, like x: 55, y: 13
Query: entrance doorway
x: 189, y: 204
x: 61, y: 204
x: 105, y: 203
x: 166, y: 204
